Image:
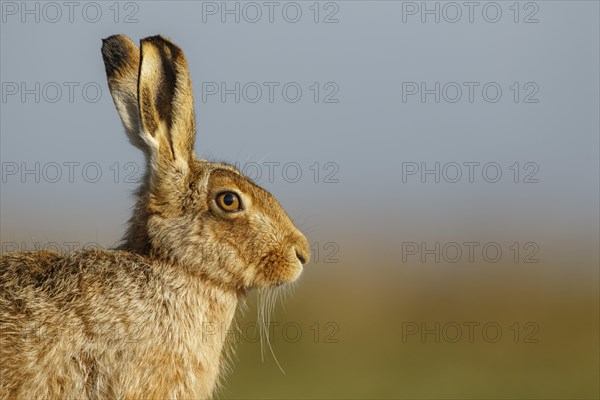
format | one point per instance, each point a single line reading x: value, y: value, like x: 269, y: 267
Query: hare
x: 147, y: 320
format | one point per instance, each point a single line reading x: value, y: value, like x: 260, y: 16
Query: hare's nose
x: 300, y: 256
x: 302, y: 249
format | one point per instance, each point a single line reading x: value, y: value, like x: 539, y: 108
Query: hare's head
x: 203, y: 216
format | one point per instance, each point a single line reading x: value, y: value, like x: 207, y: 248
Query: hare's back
x: 26, y: 268
x: 48, y: 271
x: 38, y: 285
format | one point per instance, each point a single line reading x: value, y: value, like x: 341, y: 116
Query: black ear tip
x: 160, y: 41
x: 113, y: 39
x: 116, y: 50
x: 156, y: 39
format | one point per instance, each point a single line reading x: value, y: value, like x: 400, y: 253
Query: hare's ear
x: 122, y: 62
x: 166, y: 102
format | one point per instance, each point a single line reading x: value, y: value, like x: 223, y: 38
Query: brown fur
x: 146, y: 321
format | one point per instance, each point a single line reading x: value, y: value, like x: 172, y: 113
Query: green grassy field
x: 369, y: 340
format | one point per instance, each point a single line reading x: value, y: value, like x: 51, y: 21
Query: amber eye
x: 229, y: 201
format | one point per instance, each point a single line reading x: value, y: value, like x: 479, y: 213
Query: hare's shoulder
x: 109, y: 267
x: 97, y: 259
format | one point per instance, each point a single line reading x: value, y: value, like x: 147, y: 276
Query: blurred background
x: 441, y: 157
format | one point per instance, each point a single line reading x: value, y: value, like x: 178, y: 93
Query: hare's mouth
x: 294, y: 270
x: 279, y: 273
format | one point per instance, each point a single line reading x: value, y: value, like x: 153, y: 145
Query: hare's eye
x: 229, y: 201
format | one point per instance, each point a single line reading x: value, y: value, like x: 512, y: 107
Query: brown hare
x: 146, y: 320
